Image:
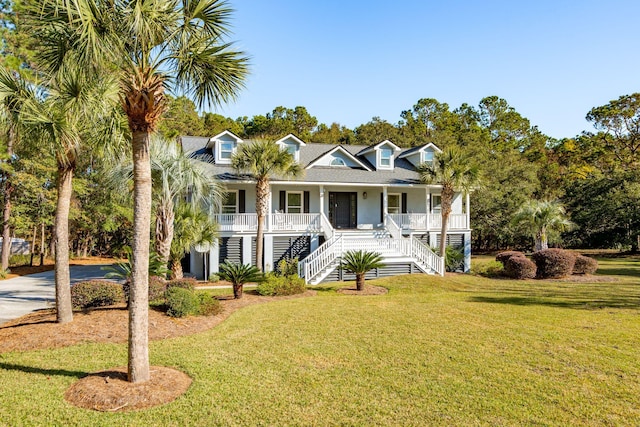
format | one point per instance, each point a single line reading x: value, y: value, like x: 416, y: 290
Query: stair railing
x: 426, y: 256
x: 320, y: 259
x: 393, y: 228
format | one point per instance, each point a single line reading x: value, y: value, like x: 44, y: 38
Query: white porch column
x: 246, y: 249
x: 214, y: 257
x: 270, y: 210
x: 385, y: 205
x: 468, y: 211
x: 268, y: 253
x: 428, y: 208
x: 322, y: 199
x: 467, y: 252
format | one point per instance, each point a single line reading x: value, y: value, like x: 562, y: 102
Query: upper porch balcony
x: 313, y: 223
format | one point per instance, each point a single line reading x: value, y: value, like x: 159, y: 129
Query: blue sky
x: 348, y: 61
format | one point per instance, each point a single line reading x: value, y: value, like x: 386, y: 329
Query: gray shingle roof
x: 403, y: 173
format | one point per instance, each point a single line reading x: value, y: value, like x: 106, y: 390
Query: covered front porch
x: 317, y: 208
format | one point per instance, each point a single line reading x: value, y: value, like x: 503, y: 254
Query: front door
x: 343, y: 209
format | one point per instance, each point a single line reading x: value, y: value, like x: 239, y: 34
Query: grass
x: 459, y: 350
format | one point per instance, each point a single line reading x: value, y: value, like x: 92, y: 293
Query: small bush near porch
x: 458, y: 350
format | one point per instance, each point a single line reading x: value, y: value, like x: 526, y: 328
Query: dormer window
x: 226, y: 150
x: 427, y: 157
x: 338, y: 162
x: 292, y: 148
x: 292, y: 144
x: 385, y: 158
x: 226, y: 144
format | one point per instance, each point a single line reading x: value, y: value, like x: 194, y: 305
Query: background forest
x: 594, y: 174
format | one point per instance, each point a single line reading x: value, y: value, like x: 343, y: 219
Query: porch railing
x: 393, y: 228
x: 412, y: 221
x: 310, y: 222
x: 456, y: 221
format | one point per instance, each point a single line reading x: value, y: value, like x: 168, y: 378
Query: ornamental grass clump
x: 519, y: 267
x: 554, y: 263
x: 96, y: 293
x: 585, y: 265
x: 282, y: 285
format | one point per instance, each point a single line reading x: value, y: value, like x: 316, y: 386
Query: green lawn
x: 460, y: 350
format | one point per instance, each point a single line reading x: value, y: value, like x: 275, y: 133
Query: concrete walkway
x: 22, y: 295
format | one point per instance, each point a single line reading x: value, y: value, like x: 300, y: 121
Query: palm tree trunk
x: 138, y: 367
x: 237, y: 291
x: 6, y: 211
x: 262, y: 206
x: 64, y: 312
x: 164, y: 229
x: 360, y: 281
x: 176, y: 269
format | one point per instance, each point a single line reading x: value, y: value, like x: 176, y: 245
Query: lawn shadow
x: 48, y: 372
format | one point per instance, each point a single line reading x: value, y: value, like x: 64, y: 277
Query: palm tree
x: 541, y: 217
x: 238, y: 275
x: 60, y: 116
x: 264, y: 160
x: 150, y: 47
x: 359, y: 262
x: 454, y: 171
x: 192, y: 226
x: 13, y: 91
x: 178, y: 179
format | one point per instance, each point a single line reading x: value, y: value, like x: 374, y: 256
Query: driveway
x: 22, y: 295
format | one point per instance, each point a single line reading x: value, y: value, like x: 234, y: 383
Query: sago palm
x: 541, y: 217
x: 151, y: 47
x: 359, y: 263
x: 263, y: 160
x: 455, y: 171
x: 238, y: 275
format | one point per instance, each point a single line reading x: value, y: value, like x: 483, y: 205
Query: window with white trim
x: 385, y: 158
x: 294, y: 201
x: 226, y: 151
x: 436, y: 203
x: 292, y: 148
x: 337, y: 161
x: 394, y: 204
x: 427, y: 157
x: 230, y: 203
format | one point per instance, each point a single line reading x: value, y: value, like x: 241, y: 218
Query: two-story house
x: 349, y: 197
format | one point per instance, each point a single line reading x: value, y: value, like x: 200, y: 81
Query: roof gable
x: 337, y: 152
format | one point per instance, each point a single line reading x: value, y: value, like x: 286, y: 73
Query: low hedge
x: 184, y: 283
x: 504, y: 256
x: 519, y: 267
x: 157, y: 288
x: 181, y: 302
x: 209, y: 306
x: 96, y: 293
x: 585, y: 265
x: 281, y: 285
x: 554, y: 263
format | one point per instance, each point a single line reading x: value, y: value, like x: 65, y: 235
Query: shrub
x: 209, y: 306
x: 520, y: 267
x: 288, y: 267
x: 282, y: 285
x: 185, y: 283
x: 157, y: 287
x: 95, y: 293
x: 585, y: 265
x: 181, y: 302
x: 554, y: 263
x: 502, y: 257
x: 453, y: 259
x: 213, y: 278
x: 488, y: 269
